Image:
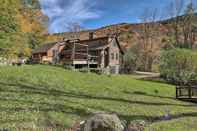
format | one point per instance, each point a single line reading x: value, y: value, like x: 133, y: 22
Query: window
x: 112, y: 56
x: 117, y: 56
x: 54, y: 52
x: 114, y: 44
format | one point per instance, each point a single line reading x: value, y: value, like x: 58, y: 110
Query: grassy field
x: 44, y: 96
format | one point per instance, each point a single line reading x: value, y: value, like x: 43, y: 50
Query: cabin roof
x: 93, y: 44
x: 121, y: 50
x: 96, y: 43
x: 44, y: 48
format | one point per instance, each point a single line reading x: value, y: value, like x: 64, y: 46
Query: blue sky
x: 97, y: 13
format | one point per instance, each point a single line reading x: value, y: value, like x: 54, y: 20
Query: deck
x: 80, y: 62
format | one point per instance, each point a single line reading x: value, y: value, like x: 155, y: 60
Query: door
x: 106, y: 57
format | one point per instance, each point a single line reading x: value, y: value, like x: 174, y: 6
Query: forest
x: 22, y: 26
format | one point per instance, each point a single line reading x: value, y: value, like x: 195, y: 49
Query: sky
x: 92, y: 14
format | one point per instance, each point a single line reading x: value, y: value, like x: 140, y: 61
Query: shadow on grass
x: 154, y: 119
x: 76, y: 110
x: 43, y: 108
x: 47, y: 107
x: 145, y: 94
x: 155, y: 80
x: 23, y: 88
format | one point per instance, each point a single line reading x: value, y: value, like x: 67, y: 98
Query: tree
x: 8, y: 9
x: 75, y: 29
x: 32, y: 22
x: 189, y: 26
x: 176, y: 8
x: 179, y: 65
x: 131, y: 59
x: 149, y: 35
x: 182, y: 31
x: 8, y: 24
x: 20, y: 28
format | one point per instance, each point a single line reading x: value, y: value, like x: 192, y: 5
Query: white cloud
x: 63, y: 12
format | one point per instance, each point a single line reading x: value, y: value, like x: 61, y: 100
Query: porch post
x: 176, y: 92
x: 102, y: 59
x: 73, y: 55
x: 88, y: 59
x: 40, y: 58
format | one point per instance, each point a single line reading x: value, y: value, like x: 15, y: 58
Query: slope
x: 43, y: 96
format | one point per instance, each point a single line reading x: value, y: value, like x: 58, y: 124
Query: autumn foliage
x: 21, y: 27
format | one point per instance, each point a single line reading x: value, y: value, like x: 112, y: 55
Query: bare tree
x: 188, y: 26
x: 175, y: 10
x: 75, y: 29
x: 149, y: 35
x: 183, y: 24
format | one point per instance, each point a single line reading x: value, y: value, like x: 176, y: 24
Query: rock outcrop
x: 103, y: 122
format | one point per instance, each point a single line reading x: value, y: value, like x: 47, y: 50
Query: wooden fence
x: 186, y: 92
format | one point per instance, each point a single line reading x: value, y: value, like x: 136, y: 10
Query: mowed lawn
x: 45, y: 96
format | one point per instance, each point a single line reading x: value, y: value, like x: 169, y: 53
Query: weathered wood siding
x: 115, y: 56
x: 57, y: 48
x: 48, y: 56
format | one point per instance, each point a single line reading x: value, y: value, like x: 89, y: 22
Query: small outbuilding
x: 47, y: 53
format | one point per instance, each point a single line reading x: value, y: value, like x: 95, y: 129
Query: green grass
x: 44, y: 96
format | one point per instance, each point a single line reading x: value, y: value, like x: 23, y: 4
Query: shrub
x: 179, y: 65
x: 131, y: 59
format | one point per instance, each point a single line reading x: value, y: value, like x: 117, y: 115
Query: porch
x: 78, y: 55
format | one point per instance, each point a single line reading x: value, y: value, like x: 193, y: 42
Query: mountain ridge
x: 129, y: 33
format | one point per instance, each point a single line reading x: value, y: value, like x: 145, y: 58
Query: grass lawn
x: 45, y: 96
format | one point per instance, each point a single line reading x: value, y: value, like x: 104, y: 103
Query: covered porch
x: 79, y: 55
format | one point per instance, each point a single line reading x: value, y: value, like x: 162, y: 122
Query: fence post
x: 176, y: 92
x: 190, y: 92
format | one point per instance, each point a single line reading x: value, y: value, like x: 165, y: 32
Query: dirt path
x: 145, y: 75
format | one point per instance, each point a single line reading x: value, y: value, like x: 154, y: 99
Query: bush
x: 131, y: 59
x: 179, y: 65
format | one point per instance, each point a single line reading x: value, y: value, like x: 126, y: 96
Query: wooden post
x: 180, y: 91
x: 88, y: 59
x: 102, y: 60
x: 190, y: 92
x: 73, y: 55
x: 74, y: 50
x: 40, y: 59
x: 177, y: 92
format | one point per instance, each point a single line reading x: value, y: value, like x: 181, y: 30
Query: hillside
x: 44, y: 96
x: 129, y: 33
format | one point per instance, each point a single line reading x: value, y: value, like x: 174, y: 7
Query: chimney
x: 91, y: 35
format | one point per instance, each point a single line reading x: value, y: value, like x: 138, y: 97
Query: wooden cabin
x: 103, y: 54
x: 47, y: 53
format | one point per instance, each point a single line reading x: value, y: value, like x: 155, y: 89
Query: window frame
x: 117, y: 56
x: 112, y: 56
